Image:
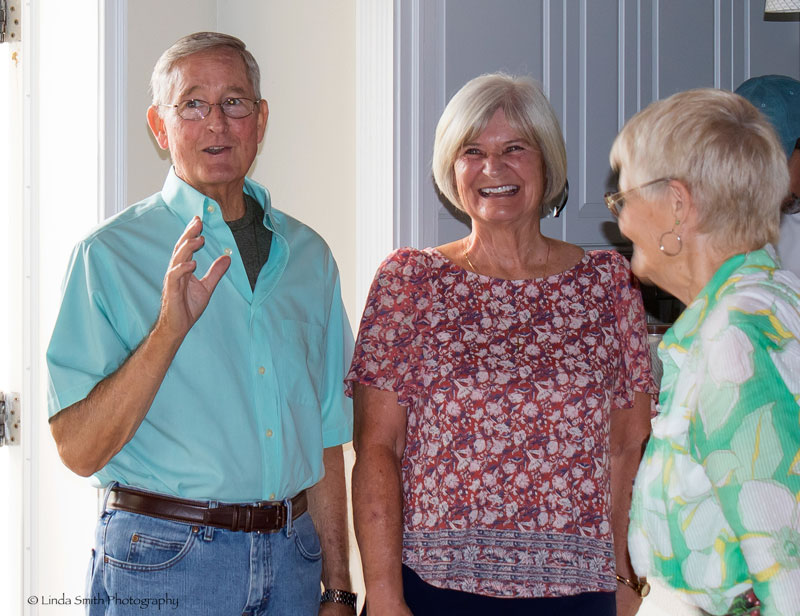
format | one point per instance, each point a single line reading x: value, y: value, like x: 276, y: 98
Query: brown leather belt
x: 262, y: 517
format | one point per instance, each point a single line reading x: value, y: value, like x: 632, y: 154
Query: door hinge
x: 9, y: 418
x: 10, y: 15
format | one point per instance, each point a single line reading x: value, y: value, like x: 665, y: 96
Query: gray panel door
x: 600, y: 61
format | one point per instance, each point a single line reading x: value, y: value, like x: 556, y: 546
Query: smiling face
x: 500, y: 177
x: 213, y: 155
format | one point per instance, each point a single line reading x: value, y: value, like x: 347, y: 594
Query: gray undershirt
x: 252, y: 238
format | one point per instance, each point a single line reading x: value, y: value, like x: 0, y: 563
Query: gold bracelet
x: 639, y: 585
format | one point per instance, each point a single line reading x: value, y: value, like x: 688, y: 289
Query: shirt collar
x: 188, y: 202
x: 686, y: 327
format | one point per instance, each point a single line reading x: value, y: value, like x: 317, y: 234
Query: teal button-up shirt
x: 255, y: 391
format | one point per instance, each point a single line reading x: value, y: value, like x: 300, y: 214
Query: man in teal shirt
x: 201, y: 381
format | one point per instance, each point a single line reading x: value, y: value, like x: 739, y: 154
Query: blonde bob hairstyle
x: 527, y: 111
x: 162, y: 81
x: 723, y: 150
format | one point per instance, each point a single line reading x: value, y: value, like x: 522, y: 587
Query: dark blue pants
x: 426, y: 600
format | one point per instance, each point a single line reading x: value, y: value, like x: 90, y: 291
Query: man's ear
x: 157, y: 126
x: 263, y: 116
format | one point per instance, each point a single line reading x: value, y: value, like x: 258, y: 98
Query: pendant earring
x: 670, y: 242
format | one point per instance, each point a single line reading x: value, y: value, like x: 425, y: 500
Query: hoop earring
x: 671, y: 253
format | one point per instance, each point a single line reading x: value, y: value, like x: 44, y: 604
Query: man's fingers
x: 177, y: 271
x: 215, y: 273
x: 192, y: 229
x: 185, y: 250
x: 189, y: 241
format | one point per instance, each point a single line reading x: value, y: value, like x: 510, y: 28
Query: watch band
x: 335, y: 595
x: 639, y: 585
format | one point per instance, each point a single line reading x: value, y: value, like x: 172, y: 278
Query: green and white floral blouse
x: 716, y: 504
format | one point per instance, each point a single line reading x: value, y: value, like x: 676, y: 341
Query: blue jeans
x: 144, y: 565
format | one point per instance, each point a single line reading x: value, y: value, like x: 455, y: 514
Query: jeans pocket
x: 141, y: 543
x: 306, y: 538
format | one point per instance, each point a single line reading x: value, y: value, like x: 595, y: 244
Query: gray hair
x: 162, y: 81
x: 723, y: 150
x: 527, y: 111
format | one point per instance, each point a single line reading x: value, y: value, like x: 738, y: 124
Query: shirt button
x: 261, y: 370
x: 210, y: 209
x: 269, y: 433
x: 227, y: 251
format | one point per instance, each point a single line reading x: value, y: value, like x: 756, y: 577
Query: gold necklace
x: 472, y: 267
x: 544, y: 270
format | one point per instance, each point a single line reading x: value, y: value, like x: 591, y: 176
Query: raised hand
x: 185, y: 297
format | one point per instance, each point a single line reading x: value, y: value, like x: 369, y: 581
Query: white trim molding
x: 419, y: 82
x: 113, y: 106
x: 31, y: 261
x: 374, y: 139
x: 406, y: 122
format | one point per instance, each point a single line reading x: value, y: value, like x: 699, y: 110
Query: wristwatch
x: 639, y: 585
x: 334, y: 595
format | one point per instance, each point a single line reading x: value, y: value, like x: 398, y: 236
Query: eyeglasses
x: 615, y: 201
x: 196, y: 109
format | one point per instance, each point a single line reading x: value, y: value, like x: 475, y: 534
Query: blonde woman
x: 500, y: 389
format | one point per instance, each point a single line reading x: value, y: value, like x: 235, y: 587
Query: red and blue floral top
x: 509, y: 385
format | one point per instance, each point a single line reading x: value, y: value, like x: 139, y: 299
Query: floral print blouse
x: 716, y: 504
x: 508, y: 387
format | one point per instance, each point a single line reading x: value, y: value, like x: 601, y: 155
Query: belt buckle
x: 280, y: 515
x: 244, y: 517
x: 279, y: 512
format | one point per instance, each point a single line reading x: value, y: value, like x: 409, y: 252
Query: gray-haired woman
x: 493, y: 383
x: 715, y: 511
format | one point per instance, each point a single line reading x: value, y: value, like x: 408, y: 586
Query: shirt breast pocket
x: 300, y: 361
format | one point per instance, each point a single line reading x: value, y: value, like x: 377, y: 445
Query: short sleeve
x: 745, y: 433
x: 390, y: 328
x: 85, y: 346
x: 337, y: 409
x: 634, y: 373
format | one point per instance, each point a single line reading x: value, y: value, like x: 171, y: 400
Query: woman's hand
x: 628, y: 600
x: 388, y: 608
